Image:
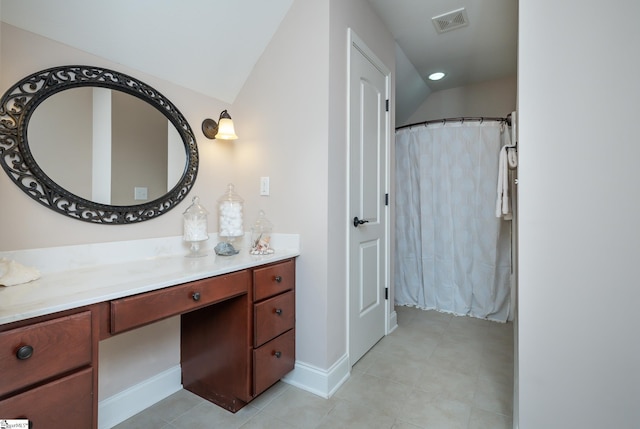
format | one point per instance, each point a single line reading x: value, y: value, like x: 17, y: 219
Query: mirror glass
x: 122, y: 150
x: 96, y: 145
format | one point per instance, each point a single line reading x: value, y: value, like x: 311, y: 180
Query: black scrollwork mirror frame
x: 17, y: 106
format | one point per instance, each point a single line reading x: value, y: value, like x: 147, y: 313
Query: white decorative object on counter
x: 13, y: 273
x: 230, y: 208
x: 261, y: 236
x: 195, y: 227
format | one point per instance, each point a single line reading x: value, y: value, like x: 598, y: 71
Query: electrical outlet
x: 264, y: 186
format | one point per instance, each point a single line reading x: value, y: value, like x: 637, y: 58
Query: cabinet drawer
x: 273, y: 280
x: 272, y: 317
x: 57, y: 346
x: 138, y: 310
x: 62, y: 404
x: 272, y: 361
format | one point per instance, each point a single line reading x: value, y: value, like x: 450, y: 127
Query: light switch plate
x: 140, y: 193
x: 264, y: 186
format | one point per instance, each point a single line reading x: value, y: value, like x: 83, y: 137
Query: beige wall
x: 492, y: 98
x: 579, y: 207
x: 282, y: 120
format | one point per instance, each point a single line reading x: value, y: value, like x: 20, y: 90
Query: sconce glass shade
x: 223, y: 129
x: 226, y: 130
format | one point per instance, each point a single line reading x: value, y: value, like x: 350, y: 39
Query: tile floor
x: 434, y: 371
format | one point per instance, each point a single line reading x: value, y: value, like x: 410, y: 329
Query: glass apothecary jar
x: 261, y: 236
x: 195, y: 227
x: 230, y: 212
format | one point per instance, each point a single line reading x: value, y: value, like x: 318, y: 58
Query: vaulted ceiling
x: 204, y: 45
x: 211, y: 46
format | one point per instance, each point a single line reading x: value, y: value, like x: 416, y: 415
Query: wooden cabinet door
x: 54, y: 347
x: 273, y: 279
x: 273, y: 360
x: 272, y: 317
x: 62, y: 404
x: 138, y: 310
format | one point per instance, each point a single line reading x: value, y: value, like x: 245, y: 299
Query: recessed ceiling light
x: 436, y: 76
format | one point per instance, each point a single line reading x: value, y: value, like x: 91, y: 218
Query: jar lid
x: 230, y: 195
x: 195, y: 210
x: 262, y: 223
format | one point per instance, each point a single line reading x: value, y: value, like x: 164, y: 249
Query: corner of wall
x: 323, y: 383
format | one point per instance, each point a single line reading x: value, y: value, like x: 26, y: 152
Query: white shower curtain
x: 452, y: 252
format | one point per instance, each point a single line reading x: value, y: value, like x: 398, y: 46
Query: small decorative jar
x: 230, y: 208
x: 261, y: 236
x: 195, y: 227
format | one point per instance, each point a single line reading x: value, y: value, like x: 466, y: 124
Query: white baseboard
x: 321, y: 382
x: 393, y: 322
x: 129, y: 402
x: 121, y: 406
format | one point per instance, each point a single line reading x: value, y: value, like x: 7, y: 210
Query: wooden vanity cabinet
x: 48, y: 370
x: 235, y: 350
x: 273, y: 324
x: 237, y: 339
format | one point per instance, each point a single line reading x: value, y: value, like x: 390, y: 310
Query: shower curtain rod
x: 480, y: 119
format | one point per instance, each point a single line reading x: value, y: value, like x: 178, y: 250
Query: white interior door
x: 367, y: 219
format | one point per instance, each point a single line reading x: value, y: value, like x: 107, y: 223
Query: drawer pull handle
x: 278, y: 279
x: 196, y: 296
x: 24, y: 352
x: 277, y: 354
x: 278, y: 311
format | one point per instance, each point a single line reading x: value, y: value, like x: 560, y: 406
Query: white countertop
x: 74, y: 284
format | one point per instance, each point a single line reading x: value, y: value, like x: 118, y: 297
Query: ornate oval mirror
x: 96, y: 145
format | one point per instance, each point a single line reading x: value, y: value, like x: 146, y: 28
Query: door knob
x: 357, y: 222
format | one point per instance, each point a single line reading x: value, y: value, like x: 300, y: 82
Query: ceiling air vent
x: 450, y: 20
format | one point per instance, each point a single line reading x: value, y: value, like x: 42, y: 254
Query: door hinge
x: 386, y: 293
x: 386, y: 199
x: 386, y: 105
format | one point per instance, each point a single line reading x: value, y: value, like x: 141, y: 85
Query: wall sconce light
x: 222, y: 130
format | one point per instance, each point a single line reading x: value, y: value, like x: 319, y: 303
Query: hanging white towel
x: 512, y: 152
x: 512, y: 157
x: 503, y: 204
x: 514, y: 128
